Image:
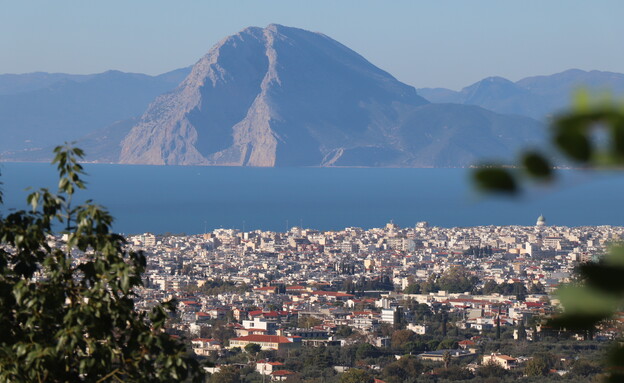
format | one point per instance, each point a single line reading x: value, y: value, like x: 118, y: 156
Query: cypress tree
x: 522, y: 335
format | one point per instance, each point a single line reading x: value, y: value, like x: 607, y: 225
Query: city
x: 311, y: 192
x: 305, y: 288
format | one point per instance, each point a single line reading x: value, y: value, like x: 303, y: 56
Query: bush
x: 70, y: 320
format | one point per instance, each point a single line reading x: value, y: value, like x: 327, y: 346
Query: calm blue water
x: 190, y: 200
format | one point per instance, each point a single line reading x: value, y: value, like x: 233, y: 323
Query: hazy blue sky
x: 424, y: 43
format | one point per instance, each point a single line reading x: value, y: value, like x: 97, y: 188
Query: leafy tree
x: 344, y: 331
x: 422, y: 311
x: 575, y: 138
x: 322, y: 358
x: 227, y: 374
x: 221, y: 332
x: 430, y: 286
x: 457, y: 280
x: 522, y: 334
x: 519, y: 290
x: 401, y: 337
x: 366, y: 350
x: 489, y: 287
x: 491, y: 369
x: 536, y: 366
x: 402, y: 369
x: 584, y: 368
x: 447, y: 344
x: 253, y: 349
x: 412, y: 288
x: 433, y: 344
x: 67, y: 319
x: 537, y: 288
x: 355, y: 375
x: 454, y: 373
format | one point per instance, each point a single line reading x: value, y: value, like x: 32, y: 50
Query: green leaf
x: 33, y: 200
x: 574, y: 144
x: 537, y: 166
x: 577, y: 322
x: 582, y: 100
x: 617, y: 139
x: 607, y: 278
x: 495, y: 180
x: 615, y: 256
x: 586, y: 300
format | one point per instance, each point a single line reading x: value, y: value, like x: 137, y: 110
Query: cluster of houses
x: 265, y: 284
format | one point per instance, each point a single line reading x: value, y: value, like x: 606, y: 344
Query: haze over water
x: 190, y: 200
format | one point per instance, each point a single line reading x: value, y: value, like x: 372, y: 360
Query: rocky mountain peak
x: 261, y: 97
x: 283, y: 96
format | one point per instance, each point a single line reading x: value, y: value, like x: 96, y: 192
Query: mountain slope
x: 72, y: 106
x: 283, y: 96
x: 537, y: 97
x: 28, y: 82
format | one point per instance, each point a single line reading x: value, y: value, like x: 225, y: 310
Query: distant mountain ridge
x: 53, y: 108
x: 279, y: 96
x: 537, y: 97
x: 282, y: 96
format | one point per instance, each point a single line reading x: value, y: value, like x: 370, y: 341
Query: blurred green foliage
x: 589, y: 136
x: 69, y: 320
x: 578, y: 137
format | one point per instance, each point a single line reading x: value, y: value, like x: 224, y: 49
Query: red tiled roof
x: 257, y: 338
x: 265, y: 288
x: 332, y: 294
x: 466, y: 342
x: 271, y: 363
x: 282, y: 373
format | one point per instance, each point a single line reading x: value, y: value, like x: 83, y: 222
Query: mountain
x: 41, y: 108
x: 101, y: 146
x: 282, y: 96
x: 536, y: 97
x: 559, y: 87
x: 20, y: 83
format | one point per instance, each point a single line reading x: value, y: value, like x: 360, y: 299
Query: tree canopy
x: 457, y: 280
x: 589, y: 136
x: 67, y: 308
x: 355, y: 375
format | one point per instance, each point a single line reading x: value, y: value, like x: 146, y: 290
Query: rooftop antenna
x: 243, y: 226
x: 286, y: 227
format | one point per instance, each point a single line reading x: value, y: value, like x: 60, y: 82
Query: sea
x: 194, y: 200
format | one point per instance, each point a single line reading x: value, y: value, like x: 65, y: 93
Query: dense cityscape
x: 386, y: 299
x: 151, y: 152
